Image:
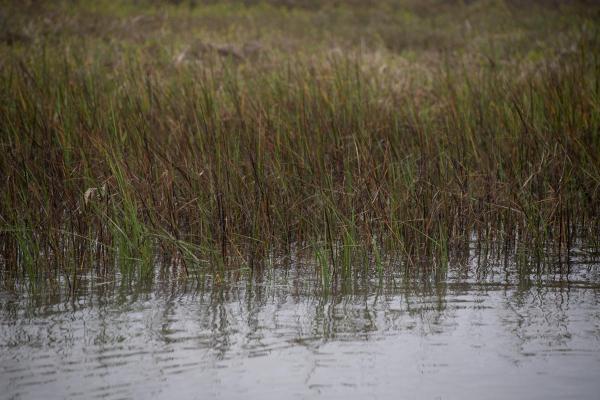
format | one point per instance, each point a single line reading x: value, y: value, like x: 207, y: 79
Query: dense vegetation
x: 216, y: 134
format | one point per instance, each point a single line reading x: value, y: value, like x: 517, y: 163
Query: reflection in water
x: 473, y: 334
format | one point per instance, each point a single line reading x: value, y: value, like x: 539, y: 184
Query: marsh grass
x: 141, y: 134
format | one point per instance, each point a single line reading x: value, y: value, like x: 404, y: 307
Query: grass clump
x: 212, y: 132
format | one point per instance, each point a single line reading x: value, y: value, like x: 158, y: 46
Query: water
x: 277, y: 335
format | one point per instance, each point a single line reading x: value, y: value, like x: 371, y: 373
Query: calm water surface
x: 276, y: 335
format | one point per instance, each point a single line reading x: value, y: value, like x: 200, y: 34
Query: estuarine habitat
x: 300, y: 199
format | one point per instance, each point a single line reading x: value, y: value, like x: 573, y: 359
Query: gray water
x: 276, y: 334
